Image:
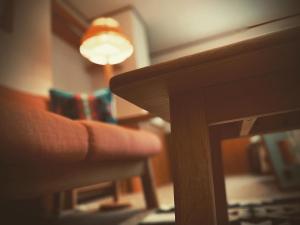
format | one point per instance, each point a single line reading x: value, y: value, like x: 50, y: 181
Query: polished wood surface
x: 260, y: 58
x: 194, y: 178
x: 237, y: 90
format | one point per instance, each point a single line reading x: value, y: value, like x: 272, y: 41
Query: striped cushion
x: 82, y: 106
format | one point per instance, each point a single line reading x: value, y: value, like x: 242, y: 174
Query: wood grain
x: 215, y: 91
x: 258, y: 57
x: 218, y: 176
x: 194, y: 184
x: 196, y: 61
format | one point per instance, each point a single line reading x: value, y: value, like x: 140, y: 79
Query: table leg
x: 196, y: 168
x: 218, y: 176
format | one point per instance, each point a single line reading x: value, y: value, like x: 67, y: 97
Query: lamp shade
x: 104, y: 43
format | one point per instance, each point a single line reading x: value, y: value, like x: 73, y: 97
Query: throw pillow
x: 96, y: 106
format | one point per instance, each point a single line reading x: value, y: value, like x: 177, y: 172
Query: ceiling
x: 172, y: 23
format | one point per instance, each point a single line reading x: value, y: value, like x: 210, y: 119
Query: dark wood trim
x: 70, y: 199
x: 7, y: 15
x: 75, y: 10
x: 60, y: 29
x: 70, y: 29
x: 68, y: 17
x: 65, y: 25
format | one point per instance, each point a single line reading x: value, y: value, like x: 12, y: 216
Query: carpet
x: 275, y: 212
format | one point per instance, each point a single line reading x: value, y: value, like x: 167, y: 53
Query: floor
x: 246, y: 188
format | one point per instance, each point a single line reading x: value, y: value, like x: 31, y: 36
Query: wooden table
x: 242, y: 89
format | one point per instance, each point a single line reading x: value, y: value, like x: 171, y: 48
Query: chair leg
x: 58, y: 203
x: 149, y: 187
x: 64, y: 200
x: 70, y: 199
x: 116, y: 191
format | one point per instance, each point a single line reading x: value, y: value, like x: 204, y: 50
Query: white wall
x: 25, y: 59
x: 70, y: 70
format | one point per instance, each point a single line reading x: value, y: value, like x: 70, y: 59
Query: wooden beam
x: 69, y: 17
x: 66, y: 25
x: 70, y: 199
x: 264, y: 124
x: 61, y: 29
x: 273, y: 93
x: 247, y: 125
x: 277, y: 123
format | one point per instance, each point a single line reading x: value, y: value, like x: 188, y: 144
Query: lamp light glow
x: 104, y: 43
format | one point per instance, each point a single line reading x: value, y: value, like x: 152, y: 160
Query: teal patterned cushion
x: 96, y: 106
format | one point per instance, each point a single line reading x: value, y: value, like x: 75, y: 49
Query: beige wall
x: 25, y: 59
x: 32, y: 59
x: 71, y: 72
x: 231, y: 37
x: 74, y: 73
x: 133, y: 27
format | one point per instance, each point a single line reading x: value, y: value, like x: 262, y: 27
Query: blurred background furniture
x: 284, y: 152
x: 43, y: 153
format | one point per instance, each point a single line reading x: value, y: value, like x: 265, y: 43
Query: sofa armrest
x: 112, y: 142
x: 29, y: 135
